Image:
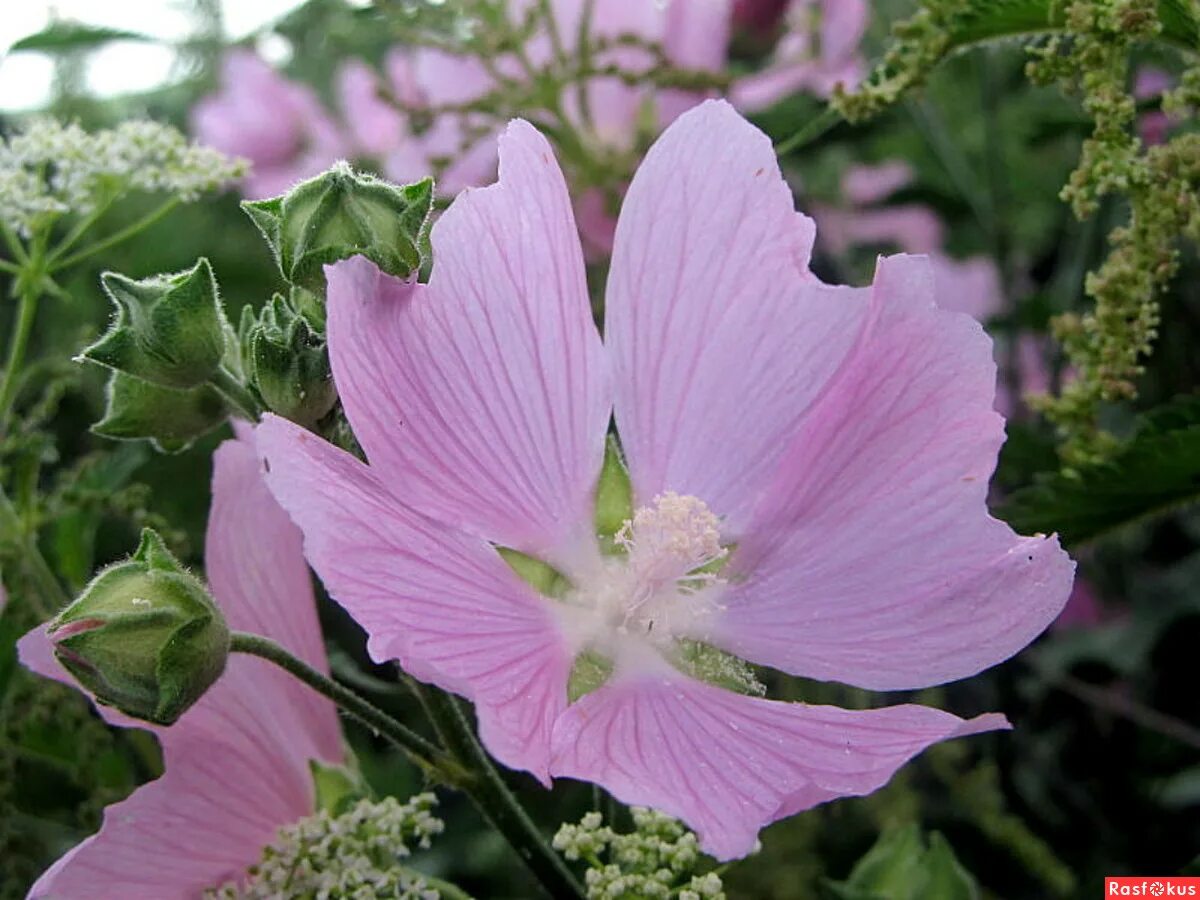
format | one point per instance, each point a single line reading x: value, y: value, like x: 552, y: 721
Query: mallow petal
x: 873, y: 559
x: 720, y: 338
x: 482, y: 399
x: 442, y: 603
x: 727, y: 764
x: 236, y: 765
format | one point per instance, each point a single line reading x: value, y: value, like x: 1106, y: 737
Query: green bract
x: 343, y: 213
x: 287, y: 362
x: 144, y: 636
x: 170, y: 418
x: 169, y: 329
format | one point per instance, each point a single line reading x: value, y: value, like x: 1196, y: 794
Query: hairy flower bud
x: 343, y: 213
x: 144, y: 636
x: 169, y: 330
x: 288, y: 363
x: 169, y: 418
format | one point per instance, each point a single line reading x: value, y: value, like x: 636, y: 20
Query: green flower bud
x: 169, y: 330
x: 169, y: 418
x: 343, y: 213
x: 144, y: 636
x: 288, y: 363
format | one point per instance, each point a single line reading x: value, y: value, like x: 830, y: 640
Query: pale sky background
x: 119, y: 67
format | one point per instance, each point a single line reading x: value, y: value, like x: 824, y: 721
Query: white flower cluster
x: 50, y: 169
x: 354, y: 855
x: 655, y: 860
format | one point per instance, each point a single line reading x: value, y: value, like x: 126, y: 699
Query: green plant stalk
x: 47, y: 583
x: 236, y: 394
x: 463, y: 765
x: 27, y: 306
x: 57, y: 263
x: 430, y: 759
x: 493, y: 797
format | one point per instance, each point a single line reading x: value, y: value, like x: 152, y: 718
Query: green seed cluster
x: 355, y: 855
x: 657, y: 859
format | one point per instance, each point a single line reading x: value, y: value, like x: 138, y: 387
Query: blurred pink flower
x: 759, y: 16
x: 276, y: 124
x: 1083, y: 609
x: 236, y: 765
x: 453, y: 144
x: 1152, y: 82
x: 841, y: 439
x: 818, y: 51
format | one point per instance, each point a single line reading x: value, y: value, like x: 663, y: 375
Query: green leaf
x: 614, y: 496
x: 65, y: 36
x: 1156, y: 470
x: 590, y: 671
x: 985, y: 20
x: 944, y: 876
x: 901, y: 867
x: 541, y: 576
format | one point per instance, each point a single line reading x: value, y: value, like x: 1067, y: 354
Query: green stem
x: 816, y: 127
x: 26, y: 313
x: 81, y: 228
x: 47, y: 584
x: 57, y: 264
x: 236, y: 393
x: 433, y: 761
x: 493, y: 797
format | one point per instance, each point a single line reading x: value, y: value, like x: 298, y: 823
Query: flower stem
x: 493, y: 797
x: 47, y: 584
x: 112, y: 240
x: 432, y: 760
x: 236, y: 394
x: 26, y: 312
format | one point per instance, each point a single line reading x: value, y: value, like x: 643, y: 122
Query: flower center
x: 664, y: 583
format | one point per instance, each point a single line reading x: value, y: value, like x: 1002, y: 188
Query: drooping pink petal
x: 442, y: 603
x: 873, y: 560
x: 720, y: 338
x: 728, y: 765
x: 482, y: 399
x: 236, y: 765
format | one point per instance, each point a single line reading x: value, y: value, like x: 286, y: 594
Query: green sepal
x: 589, y: 672
x: 541, y: 576
x: 342, y: 213
x: 288, y: 364
x: 144, y: 636
x: 705, y: 662
x: 335, y: 788
x: 614, y: 497
x: 169, y: 330
x: 900, y: 867
x: 170, y: 419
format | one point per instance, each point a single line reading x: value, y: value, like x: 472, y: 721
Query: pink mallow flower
x: 236, y: 765
x: 828, y: 448
x: 818, y: 51
x: 276, y: 124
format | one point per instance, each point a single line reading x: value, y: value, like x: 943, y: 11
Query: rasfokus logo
x: 1143, y: 886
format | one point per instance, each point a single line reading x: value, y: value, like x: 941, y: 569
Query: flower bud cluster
x: 657, y: 859
x: 356, y: 855
x: 50, y: 169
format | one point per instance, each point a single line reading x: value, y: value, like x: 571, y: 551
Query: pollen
x: 675, y: 536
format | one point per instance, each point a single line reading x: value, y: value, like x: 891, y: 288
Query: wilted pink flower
x: 829, y: 448
x: 819, y: 51
x: 236, y: 765
x: 276, y: 124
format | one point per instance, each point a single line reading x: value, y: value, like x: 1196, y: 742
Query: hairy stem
x: 493, y: 797
x: 433, y: 761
